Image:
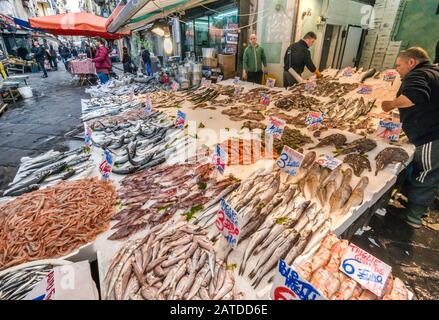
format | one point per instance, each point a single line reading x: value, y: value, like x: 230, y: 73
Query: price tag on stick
x: 180, y: 122
x: 364, y: 268
x: 270, y: 82
x: 106, y: 164
x: 228, y: 223
x: 148, y: 105
x: 220, y: 159
x: 276, y: 127
x: 389, y: 131
x: 290, y: 161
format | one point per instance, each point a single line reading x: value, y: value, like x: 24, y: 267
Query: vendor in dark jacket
x: 418, y: 104
x: 298, y: 57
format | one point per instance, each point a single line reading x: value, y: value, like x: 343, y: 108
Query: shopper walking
x: 126, y: 60
x: 146, y: 58
x: 64, y: 52
x: 255, y: 62
x: 298, y: 57
x: 53, y: 58
x: 102, y: 61
x: 418, y: 104
x: 40, y: 55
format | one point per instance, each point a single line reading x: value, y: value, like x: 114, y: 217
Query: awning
x: 136, y: 13
x: 75, y: 24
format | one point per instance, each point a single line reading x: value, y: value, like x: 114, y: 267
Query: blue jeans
x: 103, y: 77
x: 148, y: 69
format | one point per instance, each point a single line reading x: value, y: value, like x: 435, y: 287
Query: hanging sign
x: 220, y: 158
x: 310, y: 85
x: 314, y: 119
x: 390, y: 76
x: 270, y: 82
x: 389, y: 131
x: 228, y: 223
x: 265, y: 99
x: 290, y: 161
x: 106, y: 165
x: 365, y: 89
x: 180, y: 122
x: 148, y: 105
x: 364, y: 268
x: 326, y: 161
x: 289, y: 286
x: 276, y: 128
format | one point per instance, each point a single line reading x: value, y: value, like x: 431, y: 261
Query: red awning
x: 75, y: 24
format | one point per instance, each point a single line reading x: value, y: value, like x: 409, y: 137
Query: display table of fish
x: 322, y: 271
x: 173, y: 262
x: 53, y: 222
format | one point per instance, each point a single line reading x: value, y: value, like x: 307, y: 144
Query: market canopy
x: 75, y: 24
x: 137, y: 13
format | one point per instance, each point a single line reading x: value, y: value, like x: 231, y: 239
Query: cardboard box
x: 227, y: 62
x: 210, y: 62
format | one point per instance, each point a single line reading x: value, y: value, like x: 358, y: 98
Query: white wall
x: 345, y: 12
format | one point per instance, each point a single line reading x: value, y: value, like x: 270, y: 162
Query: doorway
x: 351, y: 47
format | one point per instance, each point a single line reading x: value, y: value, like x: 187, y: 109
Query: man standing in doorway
x: 255, y: 62
x: 146, y: 58
x: 298, y: 57
x: 418, y: 104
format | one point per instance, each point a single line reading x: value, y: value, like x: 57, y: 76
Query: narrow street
x: 38, y: 124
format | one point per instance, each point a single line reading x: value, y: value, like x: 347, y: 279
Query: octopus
x: 337, y: 140
x: 254, y: 125
x: 362, y: 145
x: 388, y: 156
x: 358, y: 163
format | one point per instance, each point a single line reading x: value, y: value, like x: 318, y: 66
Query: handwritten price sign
x: 276, y: 128
x: 148, y: 105
x: 290, y: 161
x: 314, y: 119
x: 310, y: 85
x: 106, y: 165
x: 220, y: 158
x: 390, y: 76
x: 364, y: 268
x: 365, y: 89
x: 265, y: 99
x: 220, y: 78
x: 175, y: 86
x: 236, y: 81
x: 228, y: 223
x: 289, y: 286
x: 348, y: 72
x: 180, y: 122
x: 87, y: 138
x: 326, y: 161
x: 389, y: 131
x: 271, y: 82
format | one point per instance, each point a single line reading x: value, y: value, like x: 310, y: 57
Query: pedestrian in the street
x: 298, y: 57
x: 418, y: 104
x: 255, y: 62
x: 102, y: 61
x: 40, y: 56
x: 126, y: 60
x: 64, y: 52
x: 146, y: 58
x: 53, y: 58
x: 74, y: 52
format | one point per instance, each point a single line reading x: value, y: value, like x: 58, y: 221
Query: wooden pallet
x: 3, y: 109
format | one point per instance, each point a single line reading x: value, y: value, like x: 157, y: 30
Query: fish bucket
x: 26, y: 92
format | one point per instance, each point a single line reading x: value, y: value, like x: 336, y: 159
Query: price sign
x: 326, y: 161
x: 270, y: 82
x: 348, y: 72
x: 314, y: 119
x: 228, y: 223
x: 87, y: 138
x: 175, y: 86
x: 365, y: 89
x: 220, y: 158
x: 180, y: 122
x: 148, y: 105
x: 106, y: 164
x: 390, y: 76
x: 310, y: 85
x: 289, y: 286
x: 389, y: 131
x: 236, y: 80
x: 276, y: 128
x: 237, y: 90
x: 207, y: 83
x: 265, y: 99
x: 364, y: 268
x: 290, y: 161
x: 219, y: 79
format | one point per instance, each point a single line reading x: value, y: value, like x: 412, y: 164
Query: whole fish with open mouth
x: 390, y: 155
x: 356, y: 198
x: 341, y: 196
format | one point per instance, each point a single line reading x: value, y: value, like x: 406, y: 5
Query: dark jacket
x: 126, y: 60
x: 39, y: 53
x: 421, y: 122
x: 146, y: 57
x: 297, y: 57
x: 102, y: 60
x: 436, y: 60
